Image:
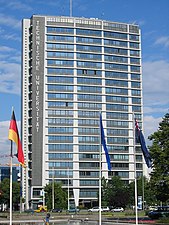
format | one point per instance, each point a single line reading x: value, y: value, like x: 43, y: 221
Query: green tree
x: 5, y: 193
x: 160, y: 154
x: 143, y: 188
x: 60, y: 196
x: 115, y: 192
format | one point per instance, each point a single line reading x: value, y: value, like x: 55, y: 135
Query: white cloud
x: 10, y: 76
x: 11, y: 36
x: 6, y: 49
x: 9, y: 54
x: 155, y: 83
x: 151, y: 125
x: 149, y: 110
x: 163, y: 41
x: 19, y: 5
x: 9, y: 21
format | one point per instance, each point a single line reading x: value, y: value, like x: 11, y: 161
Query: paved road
x: 72, y: 219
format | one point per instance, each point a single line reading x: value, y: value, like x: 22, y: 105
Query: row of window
x: 53, y: 165
x: 60, y: 113
x: 70, y: 47
x: 93, y: 106
x: 97, y: 81
x: 94, y: 89
x: 89, y: 40
x: 86, y: 148
x: 60, y: 130
x: 87, y: 64
x: 61, y: 139
x: 98, y: 57
x: 89, y: 32
x: 98, y: 73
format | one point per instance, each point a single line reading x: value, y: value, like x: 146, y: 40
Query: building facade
x: 5, y: 173
x: 73, y: 69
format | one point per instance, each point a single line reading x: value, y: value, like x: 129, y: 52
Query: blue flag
x: 103, y: 142
x: 141, y: 140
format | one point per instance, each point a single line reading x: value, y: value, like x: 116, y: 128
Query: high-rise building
x: 73, y: 69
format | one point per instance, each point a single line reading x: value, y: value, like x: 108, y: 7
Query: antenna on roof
x: 70, y: 8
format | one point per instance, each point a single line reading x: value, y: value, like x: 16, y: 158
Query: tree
x: 5, y: 192
x: 160, y: 154
x: 142, y: 182
x: 114, y: 192
x: 60, y: 196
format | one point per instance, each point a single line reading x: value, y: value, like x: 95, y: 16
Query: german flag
x: 14, y: 136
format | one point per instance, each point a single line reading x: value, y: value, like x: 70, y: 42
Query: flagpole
x: 100, y: 177
x: 68, y: 195
x: 11, y: 187
x: 53, y: 190
x: 135, y: 174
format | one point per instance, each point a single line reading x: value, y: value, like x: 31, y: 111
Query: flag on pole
x: 103, y: 142
x: 141, y: 140
x: 14, y: 136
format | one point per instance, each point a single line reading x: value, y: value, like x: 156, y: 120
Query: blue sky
x: 152, y: 17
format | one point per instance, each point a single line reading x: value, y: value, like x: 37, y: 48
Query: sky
x: 152, y: 16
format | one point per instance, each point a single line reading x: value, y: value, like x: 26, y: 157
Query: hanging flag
x: 14, y: 136
x: 141, y: 140
x: 103, y: 142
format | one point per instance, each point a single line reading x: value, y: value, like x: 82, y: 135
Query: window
x: 69, y: 55
x: 120, y: 59
x: 54, y: 156
x: 60, y: 96
x: 89, y: 81
x: 88, y: 48
x: 117, y: 140
x: 59, y: 88
x: 89, y: 72
x: 60, y: 46
x: 59, y: 104
x: 60, y: 147
x: 88, y: 32
x: 117, y: 132
x: 135, y: 69
x: 88, y: 148
x: 60, y: 38
x: 93, y: 106
x: 62, y: 139
x: 88, y: 40
x: 114, y: 115
x: 89, y: 97
x: 88, y: 139
x: 115, y: 43
x: 60, y: 71
x: 89, y: 64
x: 116, y: 83
x: 135, y: 84
x: 89, y: 56
x: 116, y: 123
x: 118, y: 91
x: 59, y: 79
x: 114, y: 107
x: 52, y: 62
x: 116, y: 99
x: 112, y: 66
x: 115, y: 35
x: 118, y: 51
x: 120, y: 75
x: 90, y: 114
x: 60, y: 130
x: 57, y: 30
